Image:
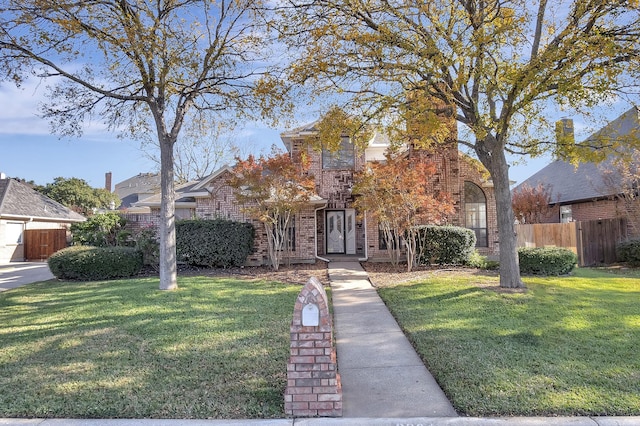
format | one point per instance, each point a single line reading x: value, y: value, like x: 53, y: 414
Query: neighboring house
x: 185, y: 208
x: 137, y: 188
x: 32, y: 226
x: 330, y: 226
x: 587, y: 191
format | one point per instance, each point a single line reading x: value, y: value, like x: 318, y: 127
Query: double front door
x: 341, y: 231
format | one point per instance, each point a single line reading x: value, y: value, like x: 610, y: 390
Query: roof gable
x: 586, y: 181
x: 19, y: 200
x: 181, y: 193
x: 202, y: 183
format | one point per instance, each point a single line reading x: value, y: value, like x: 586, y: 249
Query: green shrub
x: 445, y: 245
x: 629, y: 252
x: 146, y: 240
x: 546, y: 261
x: 88, y: 263
x: 476, y: 260
x: 214, y: 243
x: 101, y: 230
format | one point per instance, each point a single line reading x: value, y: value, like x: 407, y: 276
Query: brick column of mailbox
x: 313, y: 382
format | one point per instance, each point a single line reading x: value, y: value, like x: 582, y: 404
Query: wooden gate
x: 598, y: 240
x: 39, y: 244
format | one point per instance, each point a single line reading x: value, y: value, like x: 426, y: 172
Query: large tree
x: 76, y: 194
x: 621, y: 177
x: 496, y: 64
x: 145, y: 67
x: 202, y: 149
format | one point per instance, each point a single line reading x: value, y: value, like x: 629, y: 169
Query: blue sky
x: 29, y: 151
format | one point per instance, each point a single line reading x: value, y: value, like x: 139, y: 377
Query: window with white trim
x: 342, y: 159
x: 475, y: 211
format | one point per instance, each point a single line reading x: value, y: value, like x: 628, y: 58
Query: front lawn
x: 215, y: 348
x: 566, y: 346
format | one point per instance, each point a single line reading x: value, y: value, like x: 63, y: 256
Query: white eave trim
x: 183, y: 205
x: 198, y: 194
x: 39, y: 218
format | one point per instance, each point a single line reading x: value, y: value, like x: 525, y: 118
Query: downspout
x: 315, y: 233
x: 366, y: 240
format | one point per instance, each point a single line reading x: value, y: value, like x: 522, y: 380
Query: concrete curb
x: 418, y: 421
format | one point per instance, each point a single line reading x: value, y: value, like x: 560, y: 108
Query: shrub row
x: 210, y: 243
x: 88, y: 263
x: 214, y: 243
x: 546, y: 260
x: 629, y: 252
x: 445, y: 245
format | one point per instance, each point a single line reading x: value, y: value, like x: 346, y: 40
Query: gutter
x: 39, y: 218
x: 366, y: 240
x: 315, y: 233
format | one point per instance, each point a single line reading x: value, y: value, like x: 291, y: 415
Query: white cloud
x: 20, y: 116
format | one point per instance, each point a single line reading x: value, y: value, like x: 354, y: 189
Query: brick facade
x: 611, y: 208
x: 215, y: 199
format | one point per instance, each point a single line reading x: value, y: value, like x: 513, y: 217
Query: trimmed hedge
x: 629, y: 252
x: 546, y: 260
x: 215, y: 243
x: 88, y: 263
x: 445, y: 245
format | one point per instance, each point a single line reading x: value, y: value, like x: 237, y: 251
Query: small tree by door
x: 273, y: 190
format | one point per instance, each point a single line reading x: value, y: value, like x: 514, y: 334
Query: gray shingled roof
x: 568, y: 183
x: 19, y: 200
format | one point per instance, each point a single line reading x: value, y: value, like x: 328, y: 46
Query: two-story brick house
x: 331, y: 226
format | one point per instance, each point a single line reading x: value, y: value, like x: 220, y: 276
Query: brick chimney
x: 107, y: 181
x: 564, y: 131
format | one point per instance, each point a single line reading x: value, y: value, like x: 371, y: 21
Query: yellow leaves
x: 336, y: 124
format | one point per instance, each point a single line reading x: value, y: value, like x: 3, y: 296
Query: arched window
x: 475, y: 212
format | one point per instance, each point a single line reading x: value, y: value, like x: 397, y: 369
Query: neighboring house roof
x: 568, y: 183
x: 183, y: 200
x: 200, y: 188
x: 137, y: 188
x: 21, y: 202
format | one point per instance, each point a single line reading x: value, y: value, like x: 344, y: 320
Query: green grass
x: 566, y: 346
x: 215, y: 348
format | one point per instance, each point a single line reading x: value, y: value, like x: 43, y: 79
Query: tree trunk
x: 494, y: 159
x: 168, y: 260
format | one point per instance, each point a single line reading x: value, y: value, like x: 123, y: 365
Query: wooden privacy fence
x: 593, y: 241
x: 39, y: 244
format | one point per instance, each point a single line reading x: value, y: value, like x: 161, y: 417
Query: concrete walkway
x: 381, y: 374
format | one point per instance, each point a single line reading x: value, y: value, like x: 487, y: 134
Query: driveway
x: 15, y: 274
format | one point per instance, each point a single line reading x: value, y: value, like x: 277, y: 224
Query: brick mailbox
x: 313, y: 382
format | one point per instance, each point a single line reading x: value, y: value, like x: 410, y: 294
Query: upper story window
x: 343, y: 158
